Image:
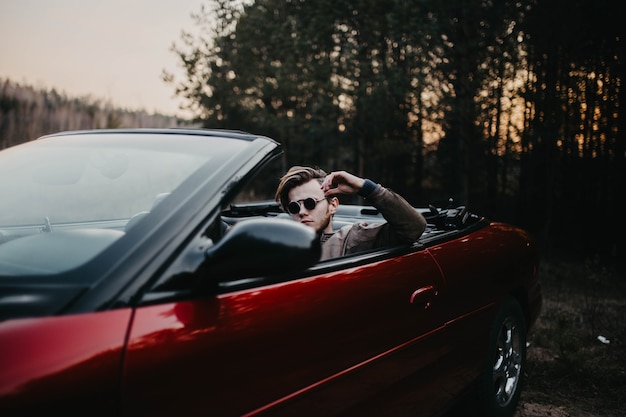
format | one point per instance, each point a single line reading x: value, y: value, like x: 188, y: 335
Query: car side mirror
x: 260, y: 247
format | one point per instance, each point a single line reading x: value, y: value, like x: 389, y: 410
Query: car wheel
x: 501, y: 380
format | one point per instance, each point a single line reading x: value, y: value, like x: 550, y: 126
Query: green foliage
x: 574, y: 132
x: 329, y: 79
x: 510, y: 107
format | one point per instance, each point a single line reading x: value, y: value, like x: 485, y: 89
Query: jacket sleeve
x: 404, y: 223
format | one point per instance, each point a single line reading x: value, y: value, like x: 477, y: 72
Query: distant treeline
x: 27, y: 113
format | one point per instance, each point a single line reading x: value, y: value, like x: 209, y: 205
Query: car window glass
x: 66, y: 199
x: 87, y: 184
x: 262, y: 186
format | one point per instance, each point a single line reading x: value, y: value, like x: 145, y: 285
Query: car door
x: 351, y: 335
x: 62, y: 364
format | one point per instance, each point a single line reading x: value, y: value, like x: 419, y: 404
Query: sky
x: 109, y: 50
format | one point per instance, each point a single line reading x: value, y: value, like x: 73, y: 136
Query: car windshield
x: 92, y: 181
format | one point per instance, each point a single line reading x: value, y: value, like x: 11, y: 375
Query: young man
x: 309, y: 195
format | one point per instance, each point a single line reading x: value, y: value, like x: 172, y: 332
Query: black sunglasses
x: 309, y: 203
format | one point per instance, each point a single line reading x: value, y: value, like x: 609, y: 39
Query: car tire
x: 500, y: 384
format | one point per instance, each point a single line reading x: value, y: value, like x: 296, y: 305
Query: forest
x: 511, y: 108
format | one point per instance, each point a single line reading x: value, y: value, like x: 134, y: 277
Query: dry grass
x: 571, y: 373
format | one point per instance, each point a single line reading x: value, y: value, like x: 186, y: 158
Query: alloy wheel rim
x: 508, y: 362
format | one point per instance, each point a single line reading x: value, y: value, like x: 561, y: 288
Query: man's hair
x: 294, y: 177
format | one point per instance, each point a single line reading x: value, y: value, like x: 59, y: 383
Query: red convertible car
x: 150, y: 273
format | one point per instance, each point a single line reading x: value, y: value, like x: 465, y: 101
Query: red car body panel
x: 239, y: 352
x: 267, y: 350
x: 66, y: 362
x: 482, y: 267
x: 328, y: 343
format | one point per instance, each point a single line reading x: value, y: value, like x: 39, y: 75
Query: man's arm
x: 406, y: 223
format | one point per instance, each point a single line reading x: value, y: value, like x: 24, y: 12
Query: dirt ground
x: 537, y: 402
x: 576, y: 356
x: 529, y: 408
x: 540, y: 410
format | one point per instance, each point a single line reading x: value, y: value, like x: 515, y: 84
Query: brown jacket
x: 404, y: 225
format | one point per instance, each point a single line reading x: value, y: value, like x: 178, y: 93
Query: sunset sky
x: 113, y: 50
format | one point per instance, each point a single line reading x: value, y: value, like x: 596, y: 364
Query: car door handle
x: 423, y: 297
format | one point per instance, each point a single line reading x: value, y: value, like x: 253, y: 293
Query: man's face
x: 319, y: 218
